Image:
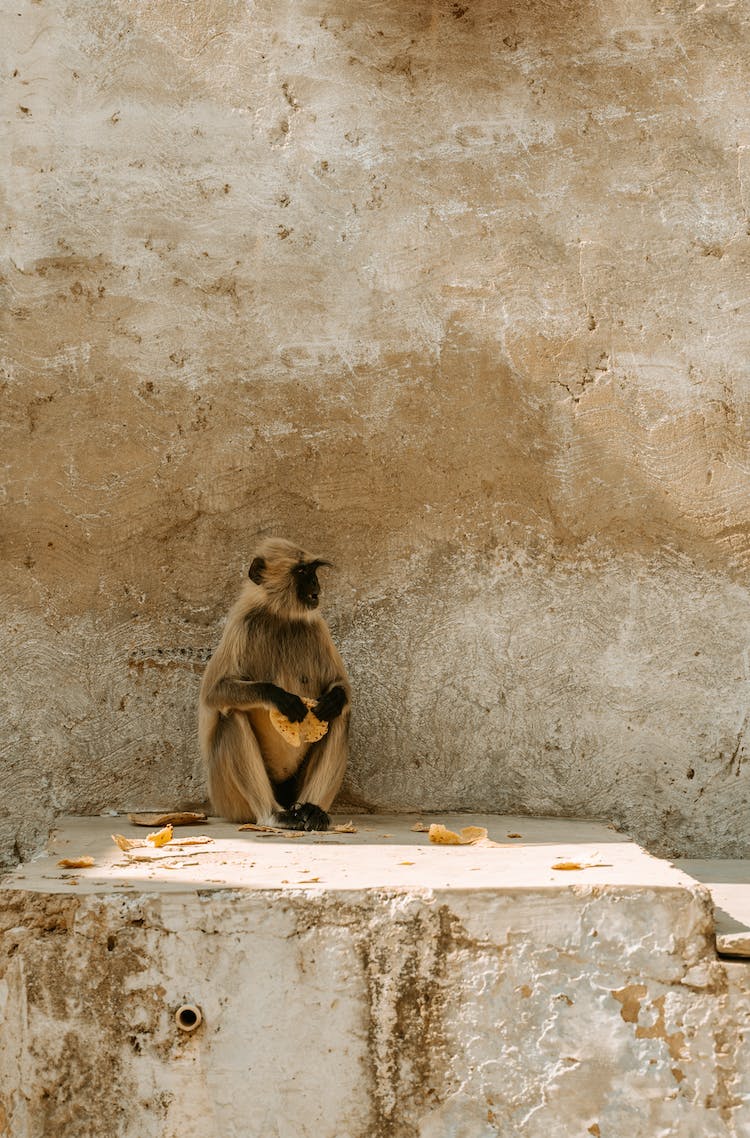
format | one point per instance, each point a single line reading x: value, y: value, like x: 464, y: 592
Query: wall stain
x: 631, y: 998
x: 407, y: 984
x: 170, y: 659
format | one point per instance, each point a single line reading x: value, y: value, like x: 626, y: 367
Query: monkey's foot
x: 303, y: 816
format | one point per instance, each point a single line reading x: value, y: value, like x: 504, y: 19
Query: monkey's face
x: 287, y: 576
x: 306, y: 583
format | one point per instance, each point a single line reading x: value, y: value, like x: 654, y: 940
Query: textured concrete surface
x: 728, y: 882
x: 454, y: 292
x: 384, y: 852
x: 400, y: 989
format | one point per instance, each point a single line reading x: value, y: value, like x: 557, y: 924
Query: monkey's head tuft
x: 287, y: 576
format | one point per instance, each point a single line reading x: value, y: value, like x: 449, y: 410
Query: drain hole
x: 188, y: 1017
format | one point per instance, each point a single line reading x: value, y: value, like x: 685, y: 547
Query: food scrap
x: 420, y: 828
x: 160, y: 837
x: 343, y: 828
x: 76, y: 862
x: 310, y: 730
x: 139, y: 843
x: 167, y: 818
x: 469, y: 836
x: 579, y: 864
x: 127, y: 843
x: 272, y: 830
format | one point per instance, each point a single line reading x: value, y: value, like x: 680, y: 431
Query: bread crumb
x: 310, y: 730
x: 469, y: 835
x: 160, y: 837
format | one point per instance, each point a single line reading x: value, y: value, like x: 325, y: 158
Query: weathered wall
x: 373, y: 985
x: 455, y: 292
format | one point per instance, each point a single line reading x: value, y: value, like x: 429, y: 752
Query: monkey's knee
x: 227, y: 800
x: 238, y: 785
x: 325, y: 773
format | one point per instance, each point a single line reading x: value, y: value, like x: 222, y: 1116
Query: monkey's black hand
x: 330, y: 705
x: 289, y: 704
x: 304, y: 816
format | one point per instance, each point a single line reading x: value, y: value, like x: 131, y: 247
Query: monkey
x: 275, y: 649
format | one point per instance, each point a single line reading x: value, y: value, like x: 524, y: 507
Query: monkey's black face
x: 306, y: 584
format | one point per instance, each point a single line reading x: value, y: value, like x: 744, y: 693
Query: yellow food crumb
x: 310, y: 730
x: 160, y: 837
x: 580, y: 865
x: 469, y: 836
x: 126, y: 843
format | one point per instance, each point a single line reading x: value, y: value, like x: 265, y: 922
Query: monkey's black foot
x: 304, y: 816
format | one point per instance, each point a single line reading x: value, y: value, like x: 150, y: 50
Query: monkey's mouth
x: 311, y: 602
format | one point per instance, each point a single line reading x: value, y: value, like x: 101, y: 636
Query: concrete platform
x: 728, y: 882
x: 384, y: 853
x: 367, y: 985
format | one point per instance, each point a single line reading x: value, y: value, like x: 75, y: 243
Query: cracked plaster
x: 455, y: 293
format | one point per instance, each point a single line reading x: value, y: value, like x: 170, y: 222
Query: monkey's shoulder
x: 272, y: 645
x: 269, y: 628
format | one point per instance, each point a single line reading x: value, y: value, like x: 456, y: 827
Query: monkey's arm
x: 332, y: 703
x: 242, y: 695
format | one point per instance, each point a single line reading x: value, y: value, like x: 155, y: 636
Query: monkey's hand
x: 304, y: 816
x: 289, y: 704
x: 331, y: 704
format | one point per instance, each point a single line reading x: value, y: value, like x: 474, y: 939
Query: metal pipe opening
x: 188, y: 1017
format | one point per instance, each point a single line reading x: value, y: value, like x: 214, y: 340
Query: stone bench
x: 367, y: 985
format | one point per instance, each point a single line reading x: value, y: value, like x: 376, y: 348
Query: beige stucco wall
x: 455, y: 293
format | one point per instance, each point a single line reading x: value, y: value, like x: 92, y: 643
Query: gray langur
x: 275, y: 650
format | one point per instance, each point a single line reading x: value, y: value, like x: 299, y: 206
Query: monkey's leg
x: 238, y: 785
x: 322, y: 776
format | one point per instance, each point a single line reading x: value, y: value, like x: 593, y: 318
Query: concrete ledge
x: 367, y: 986
x: 384, y: 853
x: 728, y: 882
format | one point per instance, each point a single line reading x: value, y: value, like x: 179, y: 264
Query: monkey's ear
x: 255, y: 572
